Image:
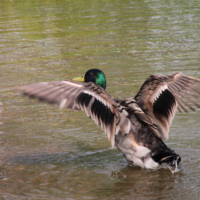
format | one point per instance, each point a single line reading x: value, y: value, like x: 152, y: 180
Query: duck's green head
x: 93, y: 75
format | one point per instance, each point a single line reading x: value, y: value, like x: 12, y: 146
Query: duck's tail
x: 167, y: 156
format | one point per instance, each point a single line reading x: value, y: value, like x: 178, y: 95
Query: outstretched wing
x: 161, y: 96
x: 93, y: 99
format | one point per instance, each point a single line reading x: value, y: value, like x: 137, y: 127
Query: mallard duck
x: 136, y: 126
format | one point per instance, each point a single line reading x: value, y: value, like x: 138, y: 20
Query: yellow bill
x: 79, y: 79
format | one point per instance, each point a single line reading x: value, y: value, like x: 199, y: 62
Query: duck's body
x: 136, y: 126
x: 141, y: 147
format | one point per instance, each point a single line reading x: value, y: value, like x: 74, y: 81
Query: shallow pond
x: 50, y: 154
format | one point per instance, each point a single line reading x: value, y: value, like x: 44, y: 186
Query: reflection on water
x: 50, y: 154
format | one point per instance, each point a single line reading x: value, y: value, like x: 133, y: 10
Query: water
x: 50, y: 154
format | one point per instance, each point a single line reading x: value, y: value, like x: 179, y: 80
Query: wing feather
x: 161, y: 96
x: 92, y: 99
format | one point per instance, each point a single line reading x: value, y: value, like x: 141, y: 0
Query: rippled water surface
x: 50, y: 154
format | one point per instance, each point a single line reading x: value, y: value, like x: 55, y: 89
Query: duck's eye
x: 91, y: 74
